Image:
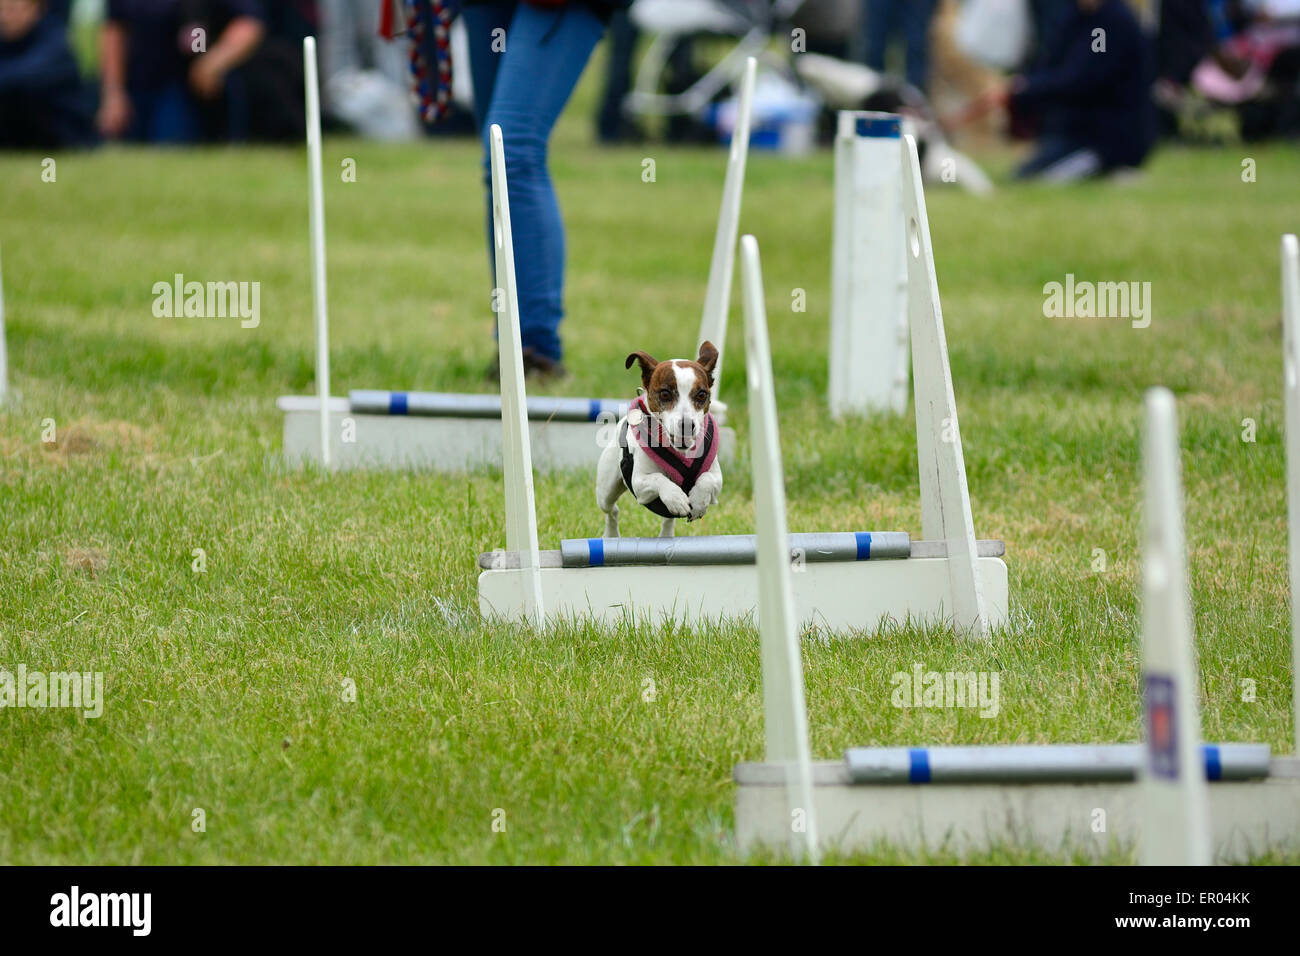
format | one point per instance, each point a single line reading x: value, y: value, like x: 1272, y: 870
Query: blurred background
x: 79, y: 73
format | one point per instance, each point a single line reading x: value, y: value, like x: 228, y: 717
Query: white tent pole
x: 717, y: 296
x: 785, y: 711
x: 1175, y: 805
x: 316, y: 217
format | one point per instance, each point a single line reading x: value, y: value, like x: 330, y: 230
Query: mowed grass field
x: 226, y: 690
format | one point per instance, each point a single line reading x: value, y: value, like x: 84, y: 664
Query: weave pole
x: 785, y: 712
x: 717, y: 296
x: 1175, y: 804
x: 1291, y: 399
x: 316, y: 220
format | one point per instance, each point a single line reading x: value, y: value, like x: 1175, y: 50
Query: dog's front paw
x: 702, y: 498
x: 675, y: 500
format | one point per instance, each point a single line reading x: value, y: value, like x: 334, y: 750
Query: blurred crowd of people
x: 169, y: 72
x: 194, y: 71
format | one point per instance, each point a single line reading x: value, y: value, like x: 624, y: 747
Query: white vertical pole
x: 516, y: 445
x: 1176, y: 815
x: 4, y: 355
x: 869, y: 338
x: 785, y: 713
x: 945, y: 497
x: 717, y: 296
x: 316, y: 218
x: 1291, y: 399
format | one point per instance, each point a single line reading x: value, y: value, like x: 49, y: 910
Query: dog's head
x: 678, y: 392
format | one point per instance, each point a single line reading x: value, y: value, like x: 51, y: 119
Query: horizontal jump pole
x: 506, y: 560
x: 454, y: 405
x: 1029, y: 763
x: 732, y: 549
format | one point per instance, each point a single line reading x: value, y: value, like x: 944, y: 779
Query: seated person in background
x: 43, y: 104
x: 157, y: 71
x: 1091, y: 98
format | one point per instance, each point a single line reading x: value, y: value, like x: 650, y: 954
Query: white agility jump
x: 456, y: 432
x: 842, y: 581
x: 869, y: 327
x: 1180, y: 801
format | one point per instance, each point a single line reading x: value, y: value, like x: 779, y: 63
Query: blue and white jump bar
x: 732, y: 549
x: 1063, y: 763
x: 454, y: 405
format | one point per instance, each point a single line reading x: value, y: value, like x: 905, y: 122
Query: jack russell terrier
x: 667, y: 448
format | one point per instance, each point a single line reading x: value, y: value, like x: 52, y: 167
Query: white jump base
x: 835, y: 595
x: 439, y: 443
x: 1249, y: 817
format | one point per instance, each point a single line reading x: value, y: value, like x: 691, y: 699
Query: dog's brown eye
x: 701, y: 396
x: 665, y: 395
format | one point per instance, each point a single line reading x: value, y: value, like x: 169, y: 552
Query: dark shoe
x: 537, y: 368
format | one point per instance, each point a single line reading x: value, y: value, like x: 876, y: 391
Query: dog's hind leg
x: 666, y: 530
x: 609, y: 487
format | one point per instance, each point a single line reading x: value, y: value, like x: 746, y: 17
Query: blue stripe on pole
x: 1213, y: 763
x: 919, y: 768
x: 864, y: 544
x: 879, y: 127
x: 397, y: 403
x: 593, y: 410
x: 597, y: 548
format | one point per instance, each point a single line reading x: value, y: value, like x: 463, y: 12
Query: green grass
x: 225, y: 689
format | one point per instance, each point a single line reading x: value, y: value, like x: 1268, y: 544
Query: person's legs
x: 545, y: 53
x: 877, y: 21
x: 485, y: 51
x: 917, y: 16
x: 164, y: 115
x: 611, y: 124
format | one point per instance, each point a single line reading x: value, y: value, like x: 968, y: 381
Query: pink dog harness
x: 683, y: 468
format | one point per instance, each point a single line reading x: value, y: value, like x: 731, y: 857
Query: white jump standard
x: 869, y: 277
x: 948, y: 576
x: 971, y: 799
x: 450, y: 432
x: 1180, y: 801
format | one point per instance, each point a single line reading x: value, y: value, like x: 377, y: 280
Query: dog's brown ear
x: 647, y: 362
x: 708, y: 358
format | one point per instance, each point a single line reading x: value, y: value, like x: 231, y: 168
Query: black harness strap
x: 690, y: 473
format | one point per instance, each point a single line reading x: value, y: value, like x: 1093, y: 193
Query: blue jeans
x: 882, y: 17
x: 523, y: 89
x: 164, y: 115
